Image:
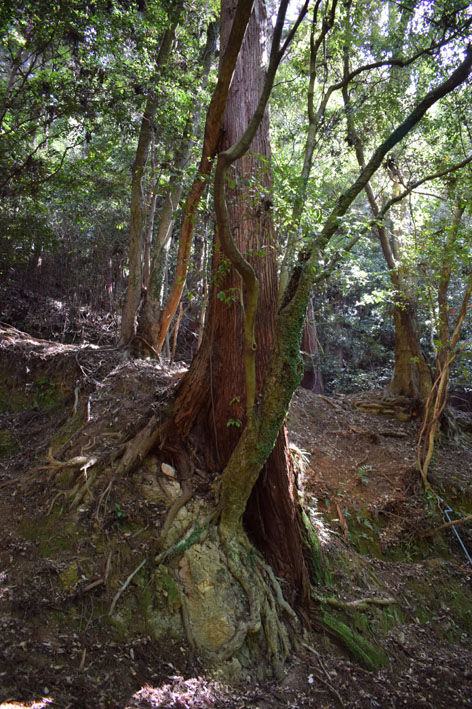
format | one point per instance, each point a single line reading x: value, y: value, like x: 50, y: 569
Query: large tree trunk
x: 213, y: 127
x: 210, y: 406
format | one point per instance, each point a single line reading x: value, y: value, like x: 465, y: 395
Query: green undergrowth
x: 40, y: 393
x: 12, y: 398
x: 366, y: 537
x: 442, y: 602
x: 150, y: 605
x: 64, y: 433
x: 319, y: 568
x: 360, y: 630
x: 432, y: 592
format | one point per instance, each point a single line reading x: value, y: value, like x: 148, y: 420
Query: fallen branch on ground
x: 359, y: 603
x: 446, y: 525
x: 125, y: 586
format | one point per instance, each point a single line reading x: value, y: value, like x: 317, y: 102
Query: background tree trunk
x: 137, y: 217
x: 312, y: 377
x: 149, y: 314
x: 411, y: 374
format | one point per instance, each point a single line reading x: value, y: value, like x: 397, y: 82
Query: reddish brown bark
x: 137, y: 216
x: 210, y: 404
x: 240, y: 11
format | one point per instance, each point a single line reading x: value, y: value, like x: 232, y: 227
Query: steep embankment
x: 81, y: 615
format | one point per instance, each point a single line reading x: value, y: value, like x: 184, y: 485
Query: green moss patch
x: 318, y: 562
x: 8, y: 444
x: 444, y: 603
x: 53, y: 533
x: 12, y: 397
x: 65, y: 432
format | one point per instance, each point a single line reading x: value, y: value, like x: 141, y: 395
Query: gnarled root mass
x: 232, y: 603
x: 268, y: 610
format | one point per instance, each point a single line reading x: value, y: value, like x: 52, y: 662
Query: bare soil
x: 359, y: 482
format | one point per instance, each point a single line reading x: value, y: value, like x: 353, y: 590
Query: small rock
x: 168, y: 470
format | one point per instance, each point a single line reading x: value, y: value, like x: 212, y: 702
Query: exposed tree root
x: 321, y: 679
x: 102, y: 500
x: 86, y: 481
x: 265, y: 601
x: 187, y: 493
x: 446, y: 525
x: 82, y: 489
x: 149, y: 346
x: 139, y: 446
x: 193, y: 535
x: 125, y: 586
x: 53, y: 501
x: 363, y: 651
x: 54, y: 465
x: 262, y: 590
x: 188, y: 628
x: 331, y: 402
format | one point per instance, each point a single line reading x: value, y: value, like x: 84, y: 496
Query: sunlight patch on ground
x: 3, y: 585
x: 301, y: 461
x: 191, y: 693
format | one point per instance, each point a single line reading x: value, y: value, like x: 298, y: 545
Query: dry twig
x: 446, y: 525
x: 125, y: 586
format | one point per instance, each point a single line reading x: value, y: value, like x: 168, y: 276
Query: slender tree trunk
x: 149, y: 315
x: 443, y: 325
x: 312, y: 378
x: 137, y: 217
x: 411, y: 375
x: 314, y: 120
x: 446, y: 352
x: 150, y: 207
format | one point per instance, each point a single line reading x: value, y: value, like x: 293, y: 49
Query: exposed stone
x: 186, y: 518
x: 166, y: 592
x: 151, y: 490
x: 169, y: 483
x: 168, y: 470
x: 211, y: 598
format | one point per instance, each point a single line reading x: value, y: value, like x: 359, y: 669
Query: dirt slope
x: 59, y: 403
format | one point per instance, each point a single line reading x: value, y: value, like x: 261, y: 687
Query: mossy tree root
x: 364, y: 652
x: 265, y: 600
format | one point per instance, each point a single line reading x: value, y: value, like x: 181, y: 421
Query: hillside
x: 78, y: 599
